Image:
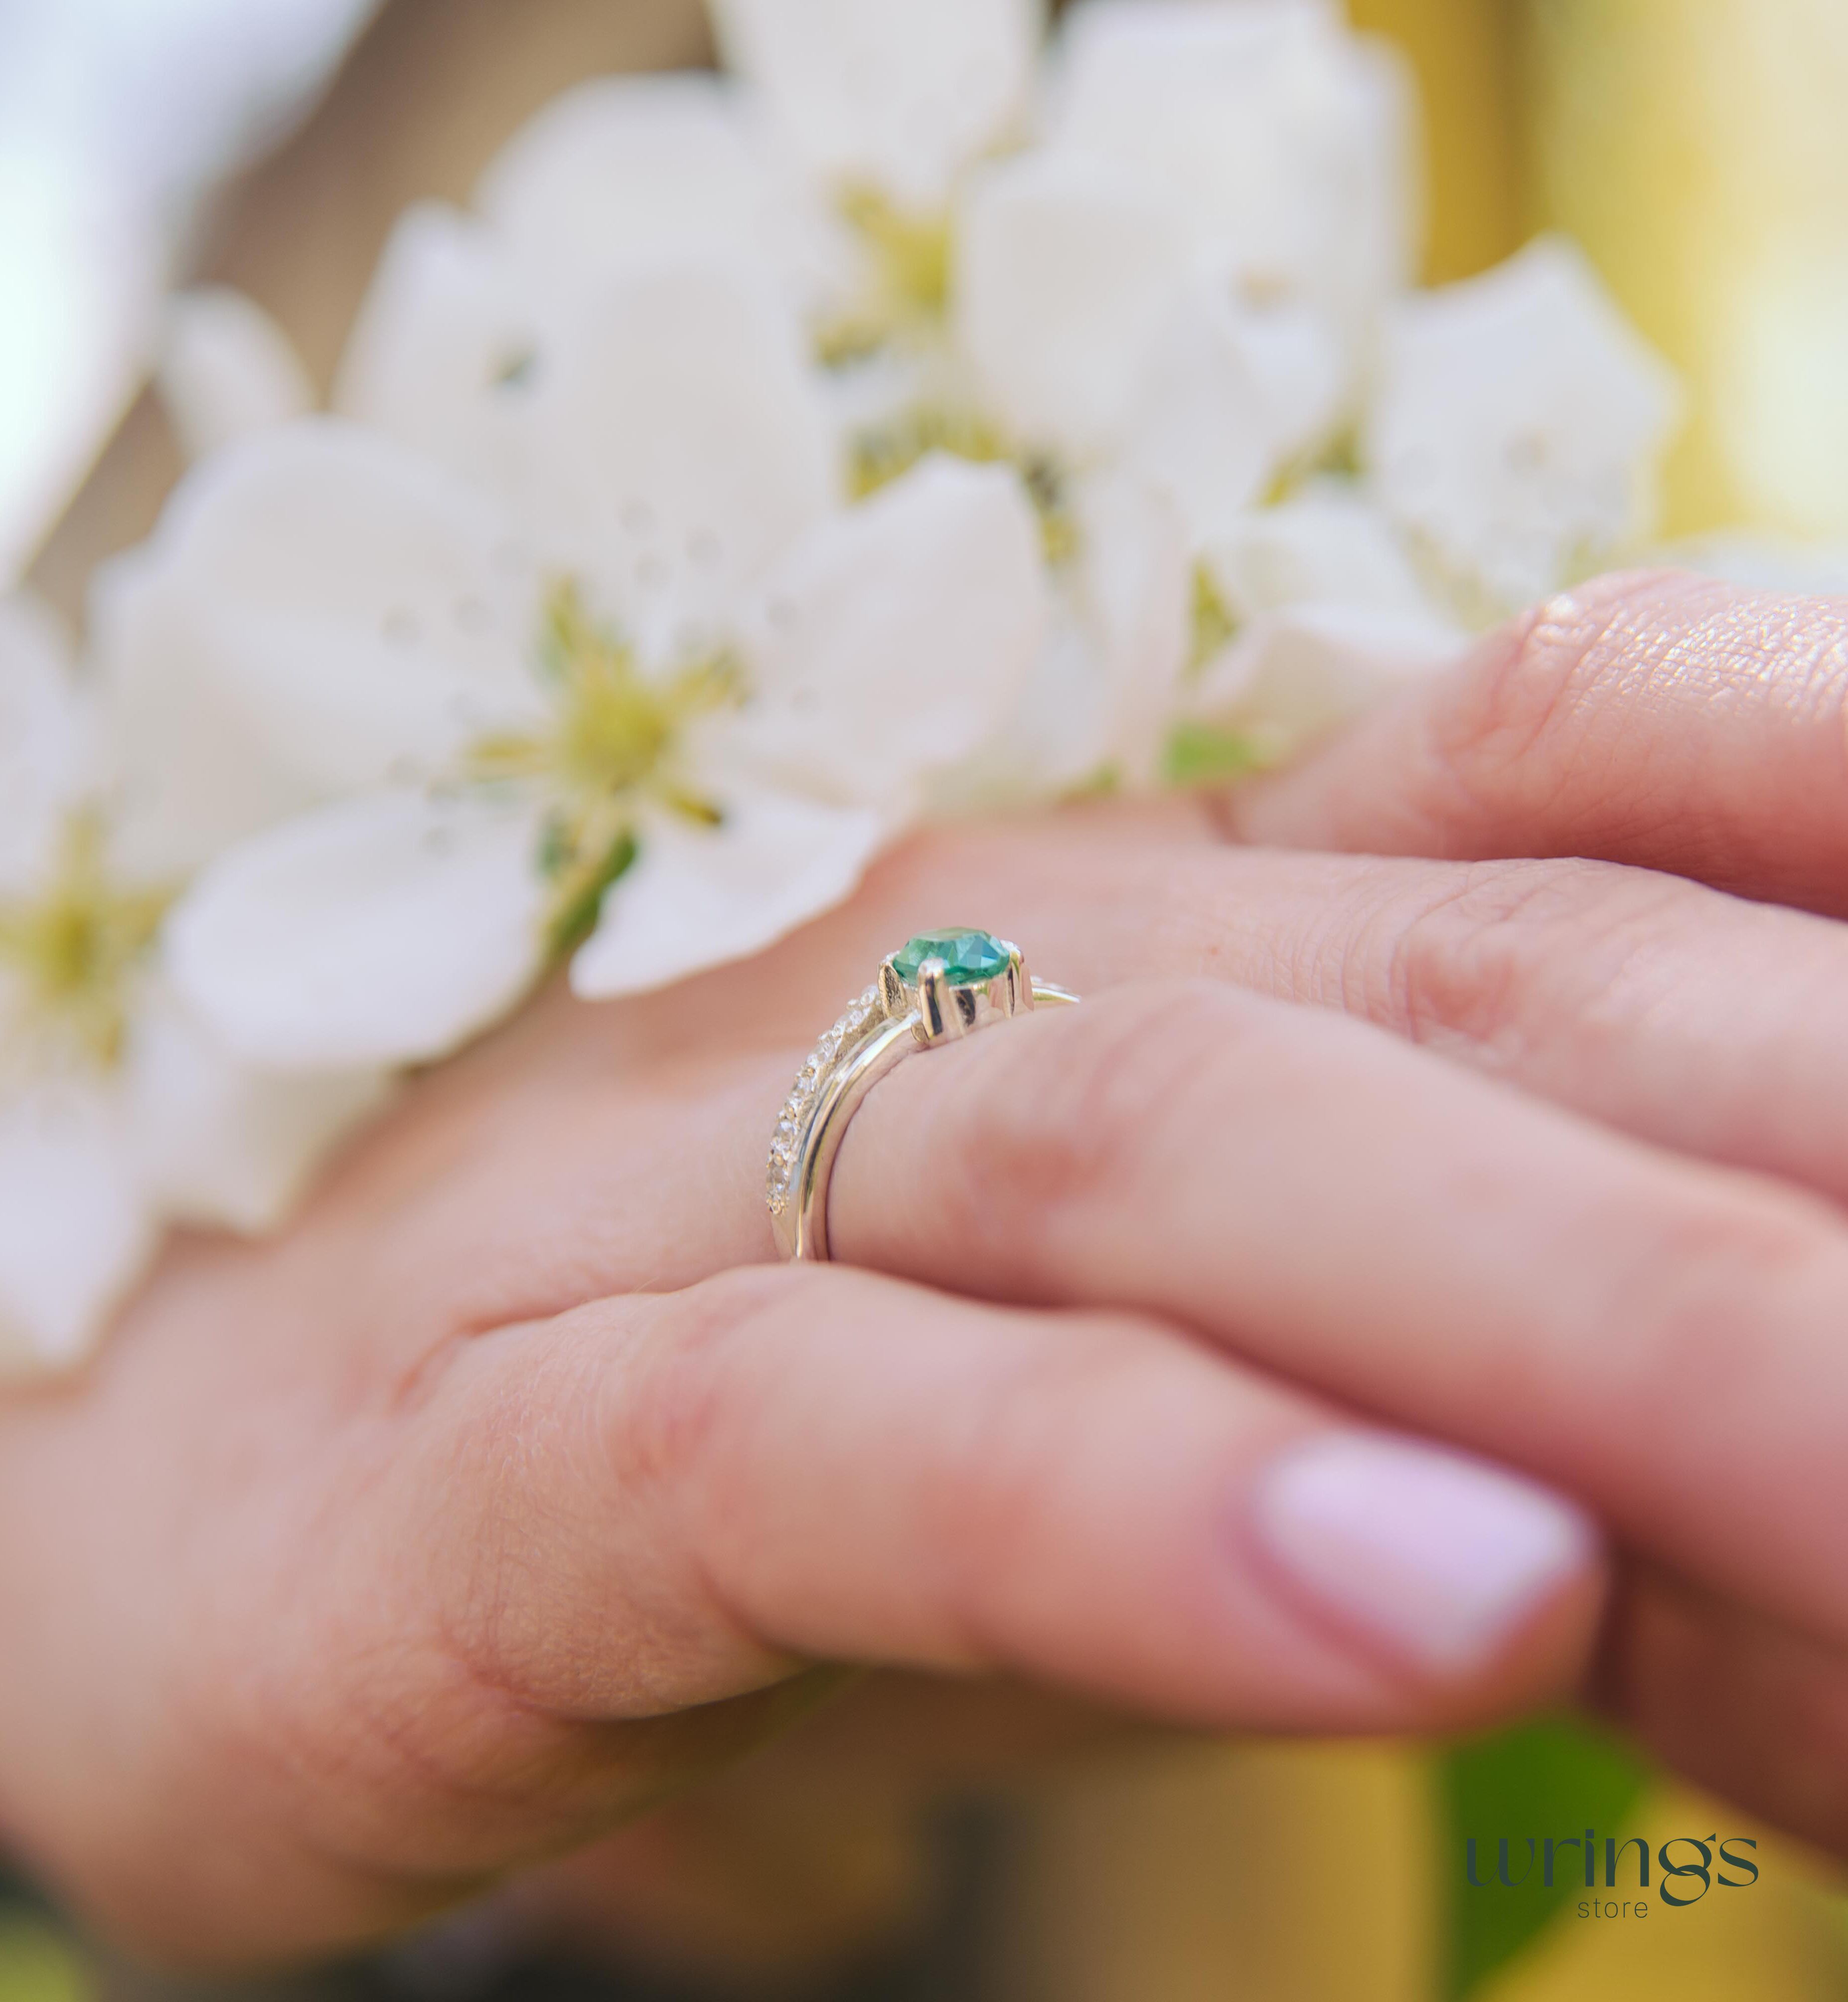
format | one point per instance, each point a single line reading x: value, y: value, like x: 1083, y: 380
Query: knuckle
x: 658, y: 1415
x: 1712, y: 1286
x: 1057, y: 1125
x: 1531, y: 682
x: 1510, y: 951
x: 680, y: 1429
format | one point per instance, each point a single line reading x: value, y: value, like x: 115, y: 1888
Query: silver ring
x: 937, y: 988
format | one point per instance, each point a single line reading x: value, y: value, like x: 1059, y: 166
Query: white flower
x: 1180, y: 283
x: 1282, y: 144
x: 450, y: 337
x: 829, y: 162
x: 1096, y: 711
x: 1518, y: 428
x: 1308, y: 614
x: 622, y: 679
x: 1183, y: 281
x: 626, y: 169
x: 887, y: 95
x: 117, y: 1112
x: 1092, y: 338
x: 1151, y: 328
x: 226, y: 369
x: 1180, y: 279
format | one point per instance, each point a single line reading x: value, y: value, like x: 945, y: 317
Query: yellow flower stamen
x: 612, y: 747
x: 909, y: 258
x: 886, y: 451
x: 73, y: 951
x: 1215, y: 625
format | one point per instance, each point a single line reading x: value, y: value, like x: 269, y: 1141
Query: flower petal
x: 1758, y: 560
x: 688, y: 445
x: 218, y: 1143
x: 1232, y: 394
x: 887, y: 92
x: 447, y: 349
x: 1054, y: 741
x: 623, y: 168
x: 1204, y: 432
x: 702, y: 897
x: 386, y: 930
x: 1096, y: 707
x: 893, y: 639
x: 75, y: 1229
x: 1132, y: 585
x: 319, y: 610
x: 1329, y: 546
x: 1066, y: 276
x: 1282, y: 141
x: 45, y: 748
x: 1519, y: 428
x: 227, y: 370
x: 196, y: 773
x: 1295, y: 675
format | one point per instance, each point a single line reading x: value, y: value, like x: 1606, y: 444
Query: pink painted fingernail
x: 1440, y: 1556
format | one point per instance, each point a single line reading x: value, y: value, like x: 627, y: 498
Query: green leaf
x: 1554, y: 1779
x: 1198, y: 755
x: 39, y: 1962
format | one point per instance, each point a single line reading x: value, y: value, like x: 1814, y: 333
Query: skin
x: 516, y: 1491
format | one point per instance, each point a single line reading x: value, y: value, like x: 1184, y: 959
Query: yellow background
x: 1698, y: 148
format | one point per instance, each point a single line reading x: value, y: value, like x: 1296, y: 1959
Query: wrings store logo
x: 1687, y: 1867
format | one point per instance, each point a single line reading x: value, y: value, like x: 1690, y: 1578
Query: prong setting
x: 1013, y: 993
x: 940, y: 1006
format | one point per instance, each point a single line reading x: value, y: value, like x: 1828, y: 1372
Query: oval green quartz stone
x: 970, y: 957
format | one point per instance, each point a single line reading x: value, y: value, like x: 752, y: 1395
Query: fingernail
x: 1439, y: 1556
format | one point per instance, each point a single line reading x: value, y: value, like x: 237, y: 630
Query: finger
x: 573, y: 1566
x: 1745, y: 1708
x: 1692, y: 1019
x: 1689, y: 1018
x: 1661, y: 1338
x: 649, y: 1507
x: 794, y: 1464
x: 1660, y: 719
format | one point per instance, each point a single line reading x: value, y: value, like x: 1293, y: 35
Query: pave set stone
x: 862, y: 1016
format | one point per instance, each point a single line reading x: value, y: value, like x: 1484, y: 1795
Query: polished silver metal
x: 890, y: 1023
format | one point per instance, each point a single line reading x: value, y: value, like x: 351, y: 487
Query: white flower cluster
x: 911, y: 418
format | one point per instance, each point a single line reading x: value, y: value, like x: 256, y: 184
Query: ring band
x: 937, y: 988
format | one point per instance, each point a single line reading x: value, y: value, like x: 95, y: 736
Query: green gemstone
x: 970, y: 958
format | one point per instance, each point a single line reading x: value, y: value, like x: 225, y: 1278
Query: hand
x: 512, y: 1490
x: 505, y: 1495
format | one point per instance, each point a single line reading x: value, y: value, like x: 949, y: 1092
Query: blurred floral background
x: 1695, y: 148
